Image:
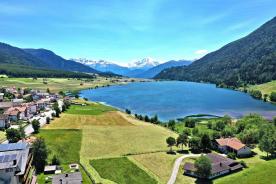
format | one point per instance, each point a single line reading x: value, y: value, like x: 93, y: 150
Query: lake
x: 176, y: 99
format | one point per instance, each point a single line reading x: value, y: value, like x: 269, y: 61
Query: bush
x: 231, y: 155
x: 273, y: 96
x: 190, y: 122
x: 256, y: 94
x: 36, y: 126
x: 243, y: 164
x: 55, y: 160
x: 48, y: 120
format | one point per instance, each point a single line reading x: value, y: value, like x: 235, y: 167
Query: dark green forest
x: 249, y: 60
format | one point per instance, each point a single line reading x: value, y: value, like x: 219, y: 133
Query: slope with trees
x: 249, y: 60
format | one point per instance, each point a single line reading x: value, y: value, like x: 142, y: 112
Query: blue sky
x: 123, y: 31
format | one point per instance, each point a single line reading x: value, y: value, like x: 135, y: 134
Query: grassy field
x: 265, y: 88
x: 65, y: 144
x: 56, y: 84
x: 89, y: 109
x: 259, y: 171
x: 107, y: 133
x: 121, y: 170
x: 160, y: 164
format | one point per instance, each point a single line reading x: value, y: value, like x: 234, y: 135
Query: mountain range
x: 249, y: 60
x: 145, y: 68
x: 13, y: 58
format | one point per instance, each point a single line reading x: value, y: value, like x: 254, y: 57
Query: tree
x: 48, y: 120
x: 186, y: 131
x: 209, y: 125
x: 203, y: 166
x: 256, y: 94
x: 154, y: 119
x: 13, y: 135
x: 48, y: 90
x: 56, y: 108
x: 22, y: 132
x: 63, y: 108
x: 40, y: 154
x: 273, y: 96
x: 128, y: 111
x: 36, y: 126
x: 182, y: 139
x: 146, y: 118
x: 265, y: 97
x: 171, y: 142
x: 190, y: 122
x: 267, y: 142
x: 55, y: 160
x: 194, y: 144
x: 205, y: 141
x: 171, y: 125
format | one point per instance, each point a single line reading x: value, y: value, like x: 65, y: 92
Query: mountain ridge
x: 248, y: 60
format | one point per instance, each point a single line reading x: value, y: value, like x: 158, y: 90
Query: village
x: 22, y: 112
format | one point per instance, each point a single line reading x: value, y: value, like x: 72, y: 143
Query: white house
x: 226, y: 145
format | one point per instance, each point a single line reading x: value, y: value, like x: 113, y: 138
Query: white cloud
x: 201, y: 52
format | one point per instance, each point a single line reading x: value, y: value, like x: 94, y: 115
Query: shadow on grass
x: 267, y: 158
x: 203, y: 181
x: 183, y: 151
x: 171, y: 152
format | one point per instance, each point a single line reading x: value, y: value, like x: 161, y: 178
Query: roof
x: 70, y: 178
x: 13, y: 146
x: 233, y: 143
x: 219, y: 163
x: 5, y: 104
x: 50, y: 168
x: 14, y: 155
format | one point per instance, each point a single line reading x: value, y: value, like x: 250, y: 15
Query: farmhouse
x: 226, y: 145
x: 220, y: 166
x: 4, y: 121
x: 15, y: 163
x: 75, y: 178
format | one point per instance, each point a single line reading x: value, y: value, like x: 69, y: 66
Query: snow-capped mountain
x: 143, y: 64
x: 145, y: 68
x: 104, y: 66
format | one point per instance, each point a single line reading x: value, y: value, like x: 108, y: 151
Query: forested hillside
x: 249, y: 60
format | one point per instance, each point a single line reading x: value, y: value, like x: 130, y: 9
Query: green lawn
x: 89, y: 109
x: 65, y: 144
x: 259, y: 173
x: 122, y: 171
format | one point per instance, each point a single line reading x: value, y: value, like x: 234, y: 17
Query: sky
x: 123, y: 31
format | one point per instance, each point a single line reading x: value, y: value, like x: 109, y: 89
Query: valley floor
x: 114, y: 147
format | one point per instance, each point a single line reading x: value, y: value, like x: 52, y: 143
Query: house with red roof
x: 234, y: 145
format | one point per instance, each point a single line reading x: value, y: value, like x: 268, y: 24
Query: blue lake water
x: 175, y: 99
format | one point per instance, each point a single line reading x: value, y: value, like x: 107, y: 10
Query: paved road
x: 176, y: 166
x: 42, y: 120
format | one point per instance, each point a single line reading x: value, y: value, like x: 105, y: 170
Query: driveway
x: 176, y: 166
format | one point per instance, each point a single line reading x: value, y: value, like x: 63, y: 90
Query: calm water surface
x: 174, y: 99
